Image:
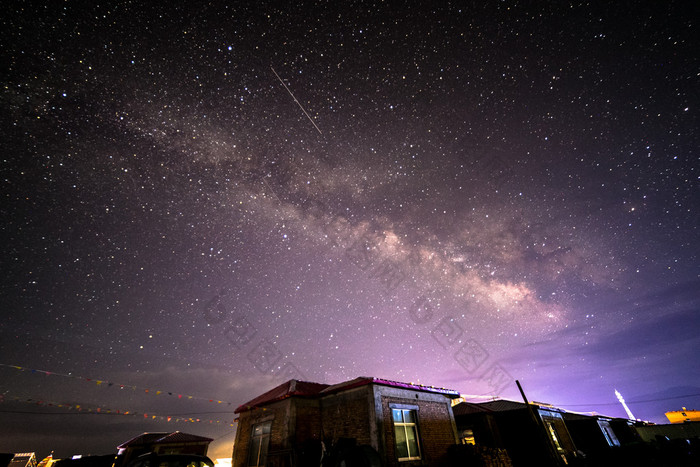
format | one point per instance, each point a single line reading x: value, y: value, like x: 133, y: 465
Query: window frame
x: 466, y: 436
x: 413, y: 426
x: 554, y: 435
x: 255, y: 444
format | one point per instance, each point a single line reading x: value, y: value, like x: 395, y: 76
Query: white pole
x: 622, y: 401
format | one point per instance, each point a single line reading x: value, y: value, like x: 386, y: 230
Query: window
x: 259, y: 442
x: 406, y: 432
x: 608, y: 433
x: 467, y: 437
x: 553, y: 434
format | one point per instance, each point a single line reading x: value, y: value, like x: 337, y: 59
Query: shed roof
x: 503, y: 405
x: 468, y: 408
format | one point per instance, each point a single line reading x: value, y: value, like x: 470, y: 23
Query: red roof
x: 291, y: 388
x: 364, y: 380
x: 308, y: 389
x: 148, y: 439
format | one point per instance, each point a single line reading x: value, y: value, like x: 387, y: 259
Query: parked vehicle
x: 171, y: 460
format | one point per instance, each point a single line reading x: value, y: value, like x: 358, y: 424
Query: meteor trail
x: 295, y: 100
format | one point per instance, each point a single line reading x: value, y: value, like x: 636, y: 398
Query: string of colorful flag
x: 102, y: 382
x: 88, y: 409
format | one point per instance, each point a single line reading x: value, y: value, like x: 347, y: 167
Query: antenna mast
x: 622, y: 401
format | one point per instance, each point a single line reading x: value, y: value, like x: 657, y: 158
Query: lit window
x: 467, y: 437
x: 259, y: 442
x: 553, y: 434
x: 406, y: 431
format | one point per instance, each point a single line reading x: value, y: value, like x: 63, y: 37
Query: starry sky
x: 210, y: 198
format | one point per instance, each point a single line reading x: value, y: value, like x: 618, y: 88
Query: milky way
x: 212, y: 199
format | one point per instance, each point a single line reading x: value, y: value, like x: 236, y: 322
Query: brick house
x: 370, y: 420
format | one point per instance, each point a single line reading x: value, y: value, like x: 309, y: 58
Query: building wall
x: 483, y: 427
x: 347, y: 415
x: 683, y: 416
x: 436, y: 426
x: 675, y: 431
x: 362, y: 414
x: 279, y: 413
x: 306, y: 419
x: 523, y: 438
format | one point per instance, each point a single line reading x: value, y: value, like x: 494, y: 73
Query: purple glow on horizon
x: 212, y: 200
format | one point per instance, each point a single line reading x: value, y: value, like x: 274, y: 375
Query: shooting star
x: 295, y: 100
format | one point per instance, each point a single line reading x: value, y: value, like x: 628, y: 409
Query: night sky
x: 208, y: 199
